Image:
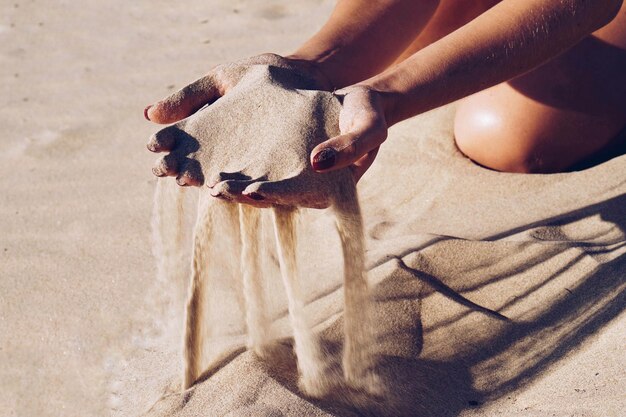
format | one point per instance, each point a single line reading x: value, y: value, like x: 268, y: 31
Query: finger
x: 190, y: 174
x: 231, y: 189
x: 164, y: 140
x: 288, y: 192
x: 344, y: 150
x: 166, y: 166
x: 184, y: 102
x: 363, y: 164
x: 188, y: 179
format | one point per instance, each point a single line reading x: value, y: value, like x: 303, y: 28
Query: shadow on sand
x: 473, y: 353
x: 512, y: 352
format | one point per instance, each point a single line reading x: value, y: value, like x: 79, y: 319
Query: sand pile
x: 483, y: 283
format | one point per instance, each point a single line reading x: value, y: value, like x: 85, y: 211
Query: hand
x: 363, y: 126
x: 218, y: 82
x: 252, y: 145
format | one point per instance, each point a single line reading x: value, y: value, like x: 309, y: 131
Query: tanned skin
x: 394, y: 59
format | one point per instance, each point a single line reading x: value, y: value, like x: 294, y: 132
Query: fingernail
x: 324, y: 159
x: 145, y: 112
x: 151, y: 146
x: 255, y: 196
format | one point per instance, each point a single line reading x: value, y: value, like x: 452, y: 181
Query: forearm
x: 363, y: 37
x: 509, y: 39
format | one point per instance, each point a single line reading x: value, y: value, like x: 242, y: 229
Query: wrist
x: 389, y: 103
x: 402, y: 96
x: 387, y: 99
x: 384, y: 101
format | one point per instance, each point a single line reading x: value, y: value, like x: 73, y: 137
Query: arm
x: 360, y: 39
x: 363, y: 37
x: 509, y: 39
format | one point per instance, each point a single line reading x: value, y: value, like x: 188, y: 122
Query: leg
x: 555, y: 117
x: 256, y: 319
x: 358, y: 357
x: 308, y: 350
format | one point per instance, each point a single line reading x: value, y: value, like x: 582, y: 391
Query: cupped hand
x: 362, y: 122
x: 251, y: 146
x: 363, y: 128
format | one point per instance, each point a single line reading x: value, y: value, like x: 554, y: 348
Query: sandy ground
x: 77, y: 290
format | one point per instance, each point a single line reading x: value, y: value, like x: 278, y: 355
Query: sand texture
x: 217, y: 220
x: 471, y: 312
x: 86, y: 328
x: 257, y: 139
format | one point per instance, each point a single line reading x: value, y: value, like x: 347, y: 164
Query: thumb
x: 184, y: 102
x: 344, y: 150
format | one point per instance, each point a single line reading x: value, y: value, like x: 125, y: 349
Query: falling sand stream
x: 217, y: 219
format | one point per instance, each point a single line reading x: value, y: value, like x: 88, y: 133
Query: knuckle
x: 169, y: 160
x: 350, y: 150
x: 162, y: 140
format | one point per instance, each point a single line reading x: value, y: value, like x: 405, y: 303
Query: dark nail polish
x: 145, y: 112
x: 256, y: 196
x: 324, y: 159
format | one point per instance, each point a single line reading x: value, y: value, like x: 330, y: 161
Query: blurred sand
x: 85, y: 329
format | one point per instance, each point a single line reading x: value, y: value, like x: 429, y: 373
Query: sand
x: 257, y: 139
x: 314, y: 380
x: 86, y: 329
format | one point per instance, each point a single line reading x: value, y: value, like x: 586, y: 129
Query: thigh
x: 555, y: 116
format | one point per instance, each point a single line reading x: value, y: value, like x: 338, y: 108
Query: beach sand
x: 87, y: 329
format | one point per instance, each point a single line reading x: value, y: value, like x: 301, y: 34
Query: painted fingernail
x: 324, y: 159
x: 255, y: 196
x: 145, y: 112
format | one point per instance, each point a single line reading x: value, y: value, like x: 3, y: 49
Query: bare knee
x: 488, y: 137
